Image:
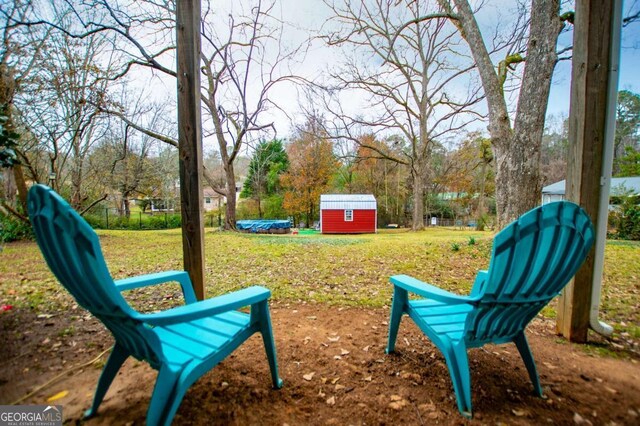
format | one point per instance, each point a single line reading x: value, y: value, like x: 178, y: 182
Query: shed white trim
x: 347, y: 202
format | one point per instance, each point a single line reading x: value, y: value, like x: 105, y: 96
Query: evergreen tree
x: 263, y: 180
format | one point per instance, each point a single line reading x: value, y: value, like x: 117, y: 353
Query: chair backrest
x: 532, y: 260
x: 72, y: 250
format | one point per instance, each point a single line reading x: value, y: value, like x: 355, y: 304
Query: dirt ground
x: 334, y: 369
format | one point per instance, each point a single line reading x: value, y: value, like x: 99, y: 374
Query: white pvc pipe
x: 607, y: 166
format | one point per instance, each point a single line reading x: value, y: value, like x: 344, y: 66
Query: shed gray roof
x: 618, y: 186
x: 347, y: 201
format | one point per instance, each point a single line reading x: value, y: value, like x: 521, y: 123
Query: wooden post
x: 190, y: 139
x: 587, y: 125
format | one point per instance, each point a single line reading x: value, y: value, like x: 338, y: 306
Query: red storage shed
x: 348, y: 214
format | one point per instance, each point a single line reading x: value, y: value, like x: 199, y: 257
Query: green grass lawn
x: 336, y: 269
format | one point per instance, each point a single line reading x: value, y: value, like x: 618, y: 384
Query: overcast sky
x: 305, y: 15
x: 312, y: 13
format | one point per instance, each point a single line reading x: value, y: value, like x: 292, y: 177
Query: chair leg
x: 458, y: 363
x: 262, y: 315
x: 400, y: 299
x: 165, y: 397
x: 525, y: 352
x: 116, y: 359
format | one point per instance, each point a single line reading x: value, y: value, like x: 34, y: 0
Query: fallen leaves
x: 520, y: 413
x: 397, y: 402
x: 58, y: 396
x: 579, y: 420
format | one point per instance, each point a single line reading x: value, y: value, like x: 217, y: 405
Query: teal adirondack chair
x: 182, y: 343
x: 532, y: 260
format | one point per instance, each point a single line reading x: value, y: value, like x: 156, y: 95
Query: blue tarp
x: 262, y: 225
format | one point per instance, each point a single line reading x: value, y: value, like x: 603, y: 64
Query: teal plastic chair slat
x: 532, y: 260
x: 182, y: 343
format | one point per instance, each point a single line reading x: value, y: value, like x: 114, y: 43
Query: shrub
x: 13, y: 229
x: 95, y: 221
x: 455, y: 247
x: 174, y: 221
x: 155, y: 222
x: 629, y: 223
x: 472, y: 241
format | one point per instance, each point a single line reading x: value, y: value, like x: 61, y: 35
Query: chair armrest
x: 429, y: 291
x: 181, y: 277
x: 209, y: 307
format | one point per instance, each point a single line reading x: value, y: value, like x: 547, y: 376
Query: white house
x: 556, y: 191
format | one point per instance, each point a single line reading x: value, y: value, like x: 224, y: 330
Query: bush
x: 629, y: 223
x: 174, y: 221
x: 95, y: 221
x: 155, y: 222
x: 13, y: 229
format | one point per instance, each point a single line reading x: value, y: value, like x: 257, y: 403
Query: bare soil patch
x: 334, y: 369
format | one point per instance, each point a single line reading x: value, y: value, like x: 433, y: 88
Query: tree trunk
x: 517, y: 183
x: 21, y: 185
x: 418, y: 196
x: 126, y: 206
x: 230, y: 212
x: 76, y: 185
x: 517, y: 153
x: 483, y: 173
x: 9, y: 189
x: 520, y: 168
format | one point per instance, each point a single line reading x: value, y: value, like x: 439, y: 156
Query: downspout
x: 607, y: 166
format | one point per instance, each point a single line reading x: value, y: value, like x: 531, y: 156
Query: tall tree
x: 242, y: 63
x: 516, y: 145
x: 413, y: 74
x: 60, y: 107
x: 243, y: 59
x: 312, y: 163
x: 554, y: 150
x: 469, y: 173
x: 19, y: 51
x: 385, y: 179
x: 269, y: 161
x: 627, y: 137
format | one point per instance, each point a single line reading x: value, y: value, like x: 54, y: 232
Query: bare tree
x: 414, y: 75
x: 241, y: 68
x: 60, y: 107
x: 516, y: 144
x: 19, y: 52
x: 243, y: 59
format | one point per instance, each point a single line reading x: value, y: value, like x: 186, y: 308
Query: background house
x: 622, y: 186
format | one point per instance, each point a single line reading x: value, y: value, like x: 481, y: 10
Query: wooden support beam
x: 587, y: 127
x: 190, y: 139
